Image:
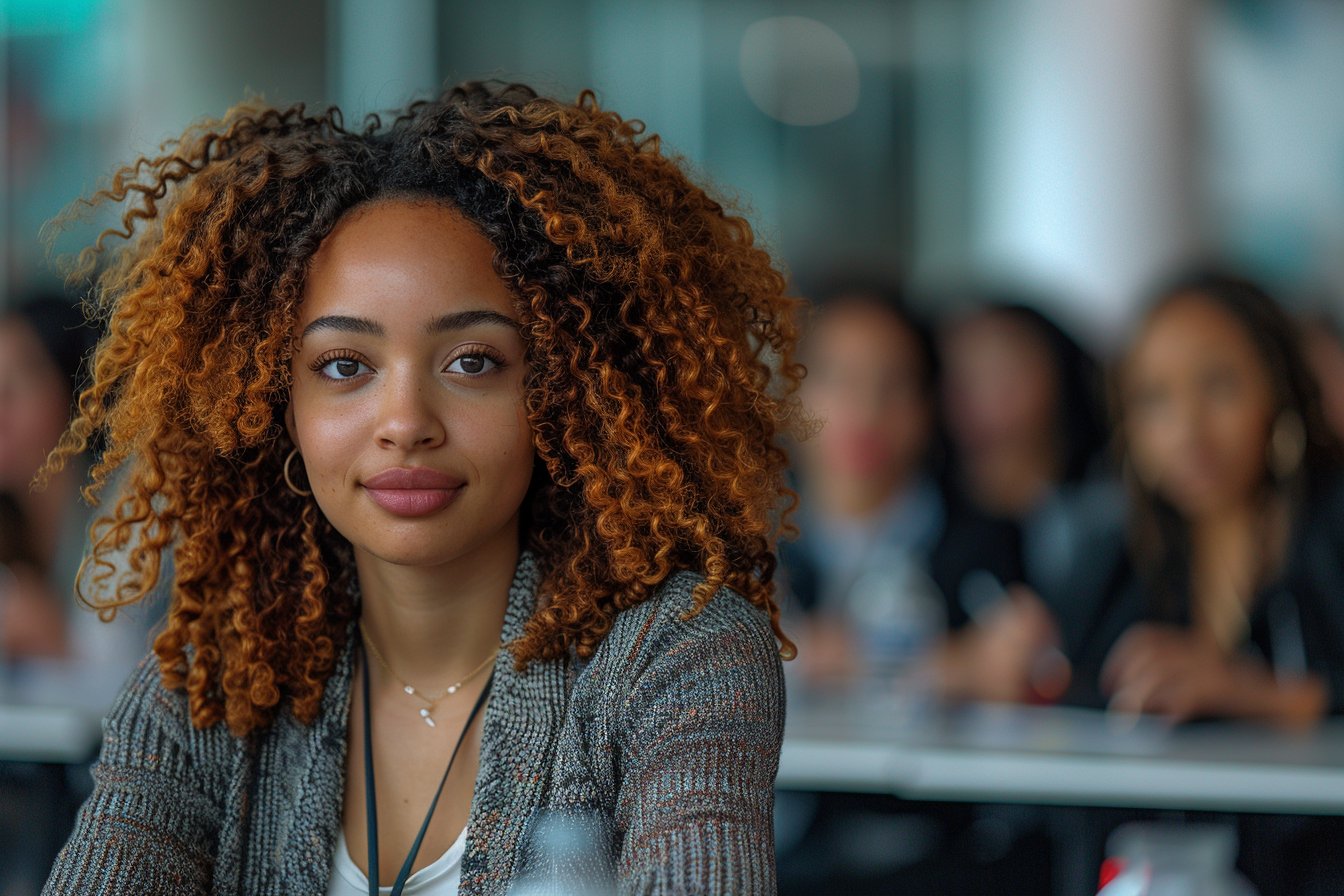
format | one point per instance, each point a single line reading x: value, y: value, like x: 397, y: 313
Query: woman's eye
x: 343, y: 368
x: 472, y: 364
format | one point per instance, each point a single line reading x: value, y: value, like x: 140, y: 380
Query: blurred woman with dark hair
x: 874, y: 504
x: 1230, y: 602
x: 886, y: 557
x: 1024, y: 406
x: 42, y: 342
x: 64, y: 650
x: 1027, y: 430
x: 1027, y: 421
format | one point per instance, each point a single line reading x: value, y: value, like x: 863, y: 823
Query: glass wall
x: 1081, y: 147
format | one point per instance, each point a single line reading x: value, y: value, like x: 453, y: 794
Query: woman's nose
x: 408, y: 415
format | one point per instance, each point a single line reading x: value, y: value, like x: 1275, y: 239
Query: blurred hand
x: 1009, y: 654
x: 1182, y: 675
x: 31, y: 621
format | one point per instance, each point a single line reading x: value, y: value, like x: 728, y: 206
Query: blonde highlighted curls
x: 661, y: 377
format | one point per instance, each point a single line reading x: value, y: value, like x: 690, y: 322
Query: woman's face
x: 1000, y: 387
x: 407, y: 397
x: 34, y: 405
x: 1198, y: 408
x: 866, y: 382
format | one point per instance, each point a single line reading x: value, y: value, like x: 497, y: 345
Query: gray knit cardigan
x: 669, y: 736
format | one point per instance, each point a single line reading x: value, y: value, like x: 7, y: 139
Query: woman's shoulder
x: 672, y: 615
x: 149, y: 725
x: 670, y: 657
x: 669, y: 650
x: 146, y: 702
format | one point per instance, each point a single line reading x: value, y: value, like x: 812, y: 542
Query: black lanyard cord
x: 370, y: 791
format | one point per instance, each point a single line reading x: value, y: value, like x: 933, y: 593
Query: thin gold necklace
x: 432, y: 700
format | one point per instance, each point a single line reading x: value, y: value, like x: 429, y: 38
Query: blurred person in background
x: 1323, y: 340
x: 30, y: 625
x: 53, y: 644
x: 44, y: 637
x: 872, y: 499
x: 1230, y: 599
x: 1027, y: 429
x: 41, y: 345
x: 885, y: 547
x: 1228, y: 602
x: 31, y: 621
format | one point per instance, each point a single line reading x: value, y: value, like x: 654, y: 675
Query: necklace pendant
x: 408, y: 689
x: 452, y: 690
x: 424, y: 714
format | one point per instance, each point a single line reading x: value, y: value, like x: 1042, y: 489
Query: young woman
x: 1027, y: 429
x: 41, y: 345
x: 1229, y: 601
x: 463, y: 433
x: 874, y: 503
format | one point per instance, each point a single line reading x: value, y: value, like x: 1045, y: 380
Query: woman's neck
x: 1251, y: 533
x: 433, y: 625
x: 1233, y: 552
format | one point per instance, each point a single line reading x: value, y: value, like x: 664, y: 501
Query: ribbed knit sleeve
x: 148, y: 828
x: 697, y: 743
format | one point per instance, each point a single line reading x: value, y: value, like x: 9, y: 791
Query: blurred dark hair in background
x: 61, y: 328
x: 1082, y: 429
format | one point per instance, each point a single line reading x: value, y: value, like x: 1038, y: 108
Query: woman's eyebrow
x: 343, y: 324
x: 459, y: 320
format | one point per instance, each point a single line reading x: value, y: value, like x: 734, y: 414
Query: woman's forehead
x: 400, y: 261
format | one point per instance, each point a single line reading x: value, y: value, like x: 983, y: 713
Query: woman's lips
x: 413, y: 491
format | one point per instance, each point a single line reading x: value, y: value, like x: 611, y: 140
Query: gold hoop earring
x: 1287, y: 444
x: 302, y: 493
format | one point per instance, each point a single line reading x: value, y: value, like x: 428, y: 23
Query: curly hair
x: 660, y: 386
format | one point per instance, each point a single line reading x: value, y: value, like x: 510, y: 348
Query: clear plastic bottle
x: 1159, y: 859
x: 898, y: 614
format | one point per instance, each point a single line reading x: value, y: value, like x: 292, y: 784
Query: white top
x: 440, y: 878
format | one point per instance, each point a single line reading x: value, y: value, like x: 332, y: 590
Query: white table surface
x: 1056, y: 756
x: 1007, y: 754
x: 53, y: 711
x: 47, y: 733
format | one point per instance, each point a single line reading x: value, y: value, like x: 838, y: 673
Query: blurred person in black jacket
x: 874, y: 501
x: 1229, y: 601
x: 1027, y: 433
x: 42, y: 342
x: 870, y: 479
x: 63, y: 650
